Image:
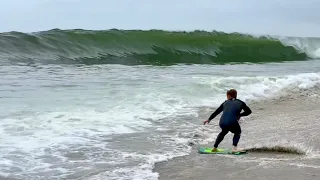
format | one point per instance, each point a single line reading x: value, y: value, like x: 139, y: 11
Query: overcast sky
x: 278, y: 17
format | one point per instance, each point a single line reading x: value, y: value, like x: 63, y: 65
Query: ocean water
x: 110, y: 104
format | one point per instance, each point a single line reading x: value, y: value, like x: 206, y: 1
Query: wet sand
x: 283, y: 135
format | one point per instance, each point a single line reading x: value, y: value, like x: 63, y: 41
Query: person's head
x: 232, y: 93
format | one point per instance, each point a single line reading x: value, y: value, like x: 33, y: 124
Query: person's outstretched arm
x: 214, y: 114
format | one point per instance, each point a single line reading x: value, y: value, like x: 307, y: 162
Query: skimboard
x: 208, y: 150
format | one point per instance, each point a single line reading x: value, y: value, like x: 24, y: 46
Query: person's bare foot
x: 234, y: 149
x: 214, y: 150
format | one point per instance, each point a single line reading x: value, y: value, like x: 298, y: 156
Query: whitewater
x: 61, y: 118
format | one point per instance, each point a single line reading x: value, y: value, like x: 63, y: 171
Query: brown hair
x: 232, y: 93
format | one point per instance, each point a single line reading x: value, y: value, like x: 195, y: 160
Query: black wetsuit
x: 229, y: 120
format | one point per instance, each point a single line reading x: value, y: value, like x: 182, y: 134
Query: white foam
x: 143, y: 171
x: 45, y: 129
x: 304, y: 165
x: 310, y: 46
x: 258, y: 87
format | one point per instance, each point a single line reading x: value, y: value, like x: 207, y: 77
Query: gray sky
x: 279, y: 17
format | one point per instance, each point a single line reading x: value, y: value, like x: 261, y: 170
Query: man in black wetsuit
x: 231, y: 109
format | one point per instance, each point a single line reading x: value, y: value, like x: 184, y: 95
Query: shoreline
x: 278, y: 136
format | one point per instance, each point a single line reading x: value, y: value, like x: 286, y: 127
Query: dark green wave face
x: 134, y: 47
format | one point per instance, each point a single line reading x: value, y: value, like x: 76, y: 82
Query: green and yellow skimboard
x: 207, y: 150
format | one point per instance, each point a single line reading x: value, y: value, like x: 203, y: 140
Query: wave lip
x: 310, y: 46
x: 152, y: 47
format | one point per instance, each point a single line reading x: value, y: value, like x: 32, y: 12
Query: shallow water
x: 115, y: 122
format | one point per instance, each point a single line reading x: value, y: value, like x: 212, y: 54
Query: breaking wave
x: 153, y: 47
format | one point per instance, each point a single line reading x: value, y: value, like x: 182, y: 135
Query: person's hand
x: 206, y: 122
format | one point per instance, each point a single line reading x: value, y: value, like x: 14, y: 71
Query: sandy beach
x: 282, y: 136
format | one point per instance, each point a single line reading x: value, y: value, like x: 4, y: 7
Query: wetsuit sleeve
x: 246, y: 109
x: 218, y: 111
